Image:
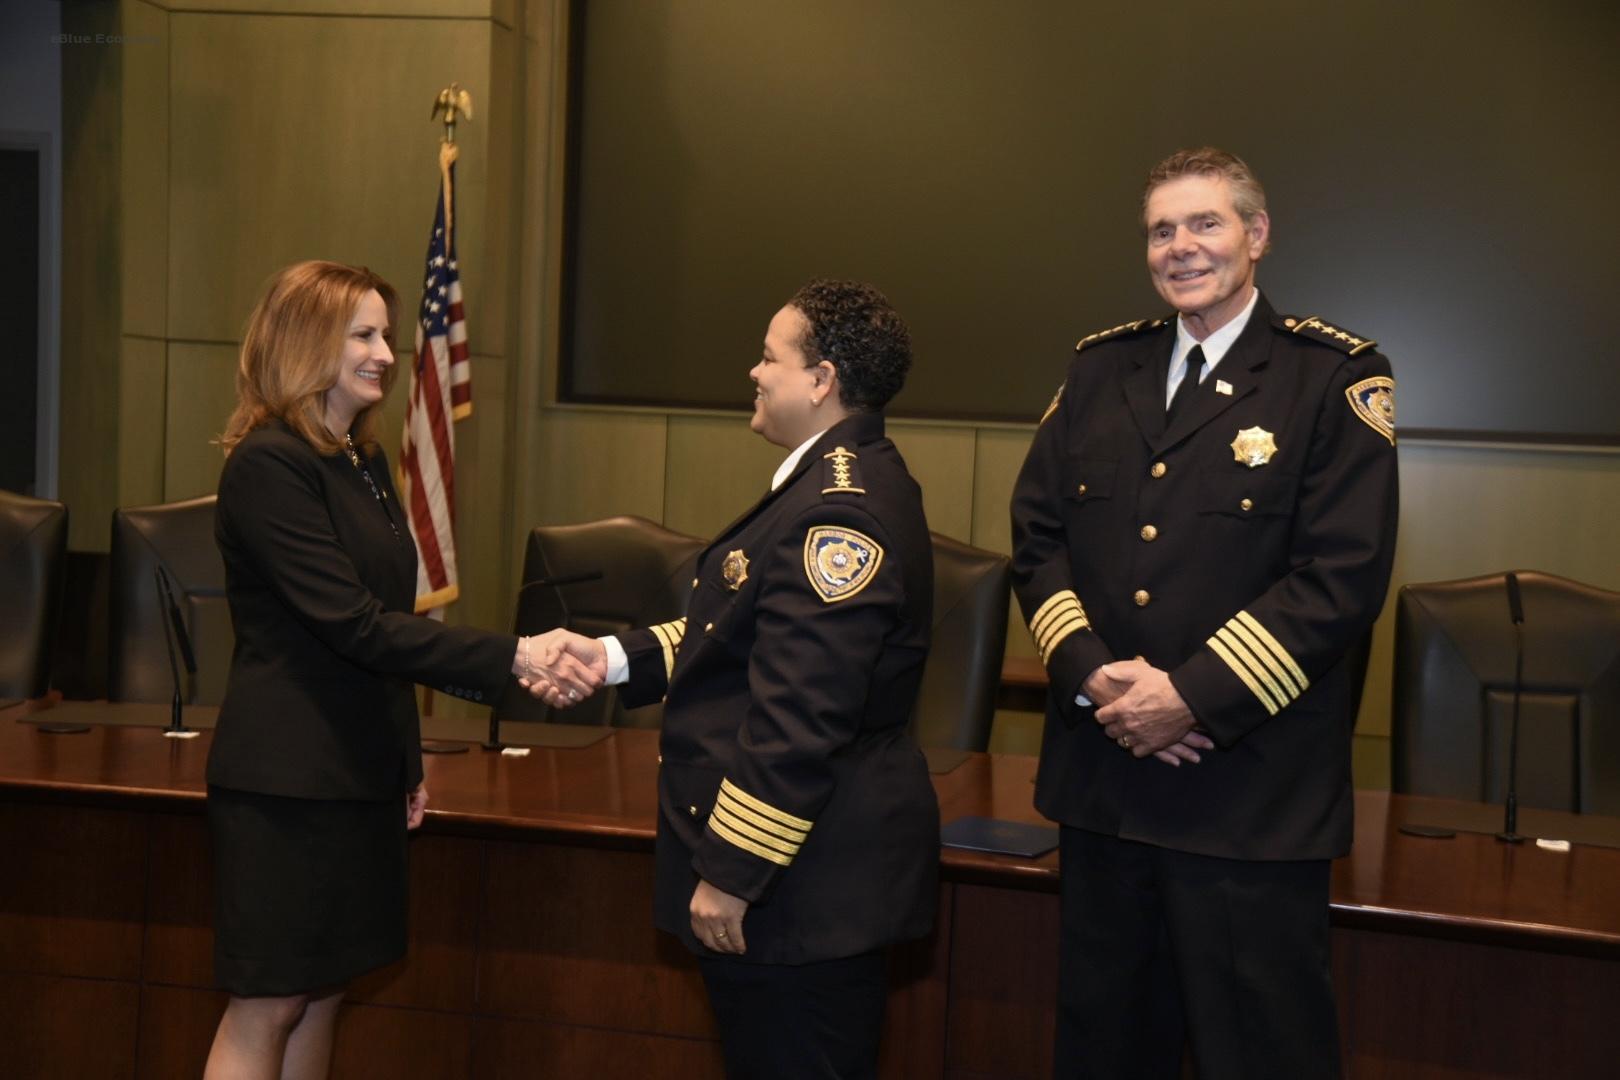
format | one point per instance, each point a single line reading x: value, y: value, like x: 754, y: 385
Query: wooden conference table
x: 533, y: 954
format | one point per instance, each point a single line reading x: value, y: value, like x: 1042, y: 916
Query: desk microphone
x: 174, y: 630
x: 1510, y: 812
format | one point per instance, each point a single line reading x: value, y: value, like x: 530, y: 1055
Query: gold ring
x: 1125, y: 742
x: 720, y: 935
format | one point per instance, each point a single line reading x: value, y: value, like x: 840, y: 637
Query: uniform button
x: 1158, y: 470
x: 694, y: 583
x: 1142, y: 597
x: 1149, y: 533
x: 707, y: 627
x: 660, y: 759
x: 692, y: 810
x: 1247, y: 504
x: 1081, y: 490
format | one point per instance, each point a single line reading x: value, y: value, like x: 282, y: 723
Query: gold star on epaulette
x: 1119, y: 331
x: 1317, y: 330
x: 841, y: 463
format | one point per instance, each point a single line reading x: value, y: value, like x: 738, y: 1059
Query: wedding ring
x: 1125, y: 742
x: 573, y: 695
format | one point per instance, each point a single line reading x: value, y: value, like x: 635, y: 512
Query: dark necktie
x: 1188, y: 387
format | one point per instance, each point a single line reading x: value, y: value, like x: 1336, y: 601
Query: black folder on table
x: 1000, y: 837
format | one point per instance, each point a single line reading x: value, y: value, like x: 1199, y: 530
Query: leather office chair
x: 33, y: 537
x: 646, y: 579
x: 956, y: 703
x: 1453, y: 692
x: 179, y: 537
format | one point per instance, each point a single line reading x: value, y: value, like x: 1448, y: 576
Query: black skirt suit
x: 318, y: 736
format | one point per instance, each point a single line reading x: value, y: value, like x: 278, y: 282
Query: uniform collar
x: 1215, y: 346
x: 785, y: 470
x: 850, y: 432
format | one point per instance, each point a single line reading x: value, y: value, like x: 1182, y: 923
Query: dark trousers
x: 816, y: 1021
x: 1158, y: 944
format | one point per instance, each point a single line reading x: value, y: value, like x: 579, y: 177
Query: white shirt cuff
x: 618, y: 663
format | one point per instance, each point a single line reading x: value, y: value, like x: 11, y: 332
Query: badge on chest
x: 734, y: 569
x: 1254, y: 446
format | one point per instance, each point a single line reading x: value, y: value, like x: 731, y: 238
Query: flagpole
x: 451, y: 102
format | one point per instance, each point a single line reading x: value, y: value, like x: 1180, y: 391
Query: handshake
x: 560, y: 667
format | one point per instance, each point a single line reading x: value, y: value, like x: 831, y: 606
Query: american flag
x: 441, y: 393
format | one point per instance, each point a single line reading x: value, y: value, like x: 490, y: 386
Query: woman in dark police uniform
x: 798, y: 833
x: 316, y: 772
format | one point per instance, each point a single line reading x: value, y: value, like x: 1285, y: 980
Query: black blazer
x: 788, y: 777
x: 321, y: 580
x: 1244, y: 550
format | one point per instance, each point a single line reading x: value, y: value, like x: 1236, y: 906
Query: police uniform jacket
x: 787, y: 774
x: 320, y: 575
x: 1243, y: 549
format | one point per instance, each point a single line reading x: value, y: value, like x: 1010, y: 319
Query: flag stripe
x: 440, y: 394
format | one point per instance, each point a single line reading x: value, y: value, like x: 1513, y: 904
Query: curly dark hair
x: 853, y: 326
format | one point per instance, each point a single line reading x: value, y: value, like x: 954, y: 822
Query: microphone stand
x: 174, y: 629
x: 1510, y: 809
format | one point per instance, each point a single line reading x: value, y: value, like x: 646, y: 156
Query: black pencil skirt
x: 308, y: 893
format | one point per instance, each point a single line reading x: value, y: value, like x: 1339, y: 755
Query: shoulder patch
x: 1122, y: 330
x: 841, y: 473
x: 1052, y: 408
x: 1373, y: 402
x: 840, y: 562
x: 1317, y: 330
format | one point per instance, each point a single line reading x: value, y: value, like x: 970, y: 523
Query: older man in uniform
x: 1203, y: 527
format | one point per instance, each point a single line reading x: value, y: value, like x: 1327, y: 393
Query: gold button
x: 1158, y: 470
x: 1142, y: 597
x: 707, y: 627
x: 1081, y: 489
x: 692, y: 810
x: 1247, y: 504
x: 1290, y: 323
x: 694, y: 583
x: 660, y: 759
x: 1149, y: 533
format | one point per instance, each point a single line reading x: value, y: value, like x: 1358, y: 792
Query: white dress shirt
x: 1215, y: 347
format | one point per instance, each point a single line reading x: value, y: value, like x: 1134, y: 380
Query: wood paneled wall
x: 253, y: 134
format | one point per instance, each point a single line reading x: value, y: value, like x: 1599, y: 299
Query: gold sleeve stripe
x: 666, y: 640
x: 669, y: 635
x: 1275, y: 646
x: 1060, y: 616
x: 1052, y: 601
x: 1059, y: 627
x: 1242, y: 672
x: 781, y: 817
x: 1255, y: 664
x: 789, y: 848
x: 1261, y: 654
x: 1059, y: 633
x: 1273, y: 666
x: 738, y: 840
x: 783, y: 835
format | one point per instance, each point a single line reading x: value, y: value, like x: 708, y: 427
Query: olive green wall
x: 255, y: 134
x: 221, y: 140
